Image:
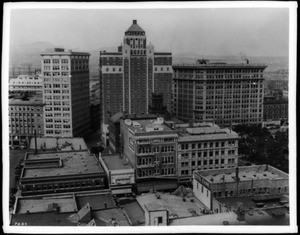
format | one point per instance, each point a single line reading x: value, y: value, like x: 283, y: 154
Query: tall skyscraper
x: 225, y: 94
x: 66, y: 93
x: 130, y: 76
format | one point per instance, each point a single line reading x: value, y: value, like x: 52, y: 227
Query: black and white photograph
x: 149, y: 117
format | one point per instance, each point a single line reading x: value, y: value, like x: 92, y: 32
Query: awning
x: 121, y: 191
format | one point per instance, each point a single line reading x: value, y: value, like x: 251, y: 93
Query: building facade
x: 25, y: 118
x: 66, y: 93
x: 115, y: 133
x: 259, y: 181
x: 275, y: 109
x: 60, y: 172
x: 130, y: 76
x: 225, y: 94
x: 120, y: 174
x: 26, y: 83
x: 150, y: 147
x: 204, y: 146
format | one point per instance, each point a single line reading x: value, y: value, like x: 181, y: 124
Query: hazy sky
x: 212, y: 31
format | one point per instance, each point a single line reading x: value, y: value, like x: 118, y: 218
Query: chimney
x: 240, y: 212
x: 134, y: 21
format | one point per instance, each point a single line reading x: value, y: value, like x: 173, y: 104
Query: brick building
x: 66, y: 93
x: 150, y: 147
x: 129, y: 76
x: 204, y: 146
x: 114, y: 133
x: 25, y: 117
x: 61, y: 171
x: 259, y: 181
x: 218, y: 92
x: 275, y: 109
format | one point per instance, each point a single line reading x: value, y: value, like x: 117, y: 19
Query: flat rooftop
x: 248, y: 203
x: 246, y: 173
x: 63, y: 144
x: 73, y: 163
x: 174, y: 204
x: 149, y: 126
x: 96, y: 201
x: 42, y: 219
x: 69, y: 204
x: 211, y: 219
x: 202, y: 131
x: 31, y: 100
x: 114, y: 162
x: 219, y: 65
x: 36, y: 205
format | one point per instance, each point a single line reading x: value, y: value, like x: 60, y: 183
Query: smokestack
x: 247, y: 61
x: 35, y: 142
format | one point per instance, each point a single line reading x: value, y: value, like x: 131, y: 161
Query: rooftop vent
x: 128, y: 122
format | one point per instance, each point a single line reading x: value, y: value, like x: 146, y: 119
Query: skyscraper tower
x: 66, y: 93
x: 130, y: 76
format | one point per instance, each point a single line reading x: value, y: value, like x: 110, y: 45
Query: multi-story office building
x: 130, y: 76
x: 150, y: 147
x: 25, y: 117
x: 275, y: 109
x: 218, y: 92
x: 26, y: 83
x: 66, y: 93
x: 114, y: 133
x: 204, y: 146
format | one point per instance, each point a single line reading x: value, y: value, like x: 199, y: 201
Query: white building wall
x: 202, y: 193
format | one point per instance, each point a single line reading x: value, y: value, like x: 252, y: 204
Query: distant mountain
x: 274, y: 63
x: 30, y: 54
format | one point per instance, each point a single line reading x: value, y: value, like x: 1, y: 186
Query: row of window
x: 216, y: 144
x: 250, y: 191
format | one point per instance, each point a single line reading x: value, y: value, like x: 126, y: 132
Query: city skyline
x: 214, y: 31
x: 208, y: 59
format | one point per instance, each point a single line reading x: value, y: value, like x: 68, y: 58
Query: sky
x: 209, y: 31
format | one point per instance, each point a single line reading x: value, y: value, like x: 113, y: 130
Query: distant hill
x: 274, y: 63
x: 30, y: 54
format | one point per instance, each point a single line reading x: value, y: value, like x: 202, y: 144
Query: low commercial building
x: 58, y: 172
x: 57, y: 144
x: 26, y: 83
x: 68, y: 209
x: 204, y: 146
x: 160, y: 209
x: 25, y: 118
x: 261, y: 182
x: 150, y: 147
x: 119, y: 173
